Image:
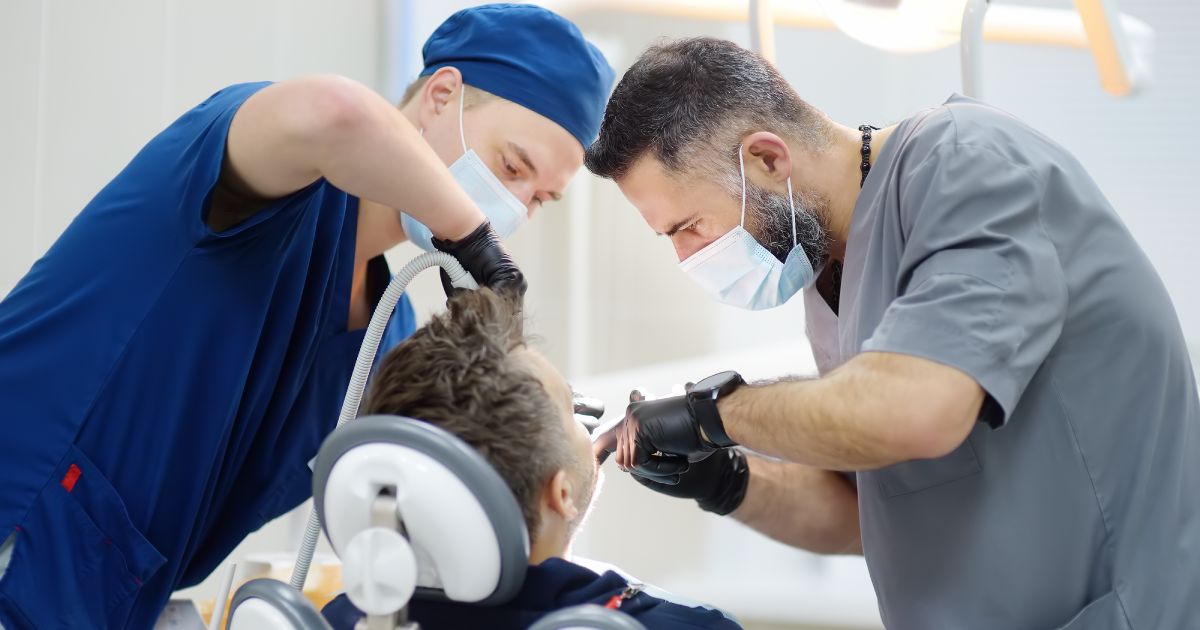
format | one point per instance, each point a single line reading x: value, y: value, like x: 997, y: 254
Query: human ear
x: 441, y: 90
x: 561, y: 496
x: 767, y: 155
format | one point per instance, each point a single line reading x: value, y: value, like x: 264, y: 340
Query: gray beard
x: 769, y: 219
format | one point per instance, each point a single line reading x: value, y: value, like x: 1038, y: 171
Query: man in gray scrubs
x: 1001, y: 366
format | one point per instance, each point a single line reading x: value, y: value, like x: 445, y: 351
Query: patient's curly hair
x: 457, y: 373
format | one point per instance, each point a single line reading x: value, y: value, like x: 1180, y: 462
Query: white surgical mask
x: 737, y: 270
x: 500, y: 206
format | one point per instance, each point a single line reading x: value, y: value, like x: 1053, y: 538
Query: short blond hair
x: 474, y: 95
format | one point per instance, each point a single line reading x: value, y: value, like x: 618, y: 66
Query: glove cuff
x: 730, y: 490
x: 450, y: 247
x: 702, y: 402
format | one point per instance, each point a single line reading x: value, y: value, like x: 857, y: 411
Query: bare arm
x: 801, y: 506
x: 875, y: 410
x: 292, y: 133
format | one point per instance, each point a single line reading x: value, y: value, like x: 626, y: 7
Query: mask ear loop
x: 462, y: 99
x: 742, y: 170
x: 792, y: 203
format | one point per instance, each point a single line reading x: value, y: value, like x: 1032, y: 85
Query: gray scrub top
x: 1075, y: 502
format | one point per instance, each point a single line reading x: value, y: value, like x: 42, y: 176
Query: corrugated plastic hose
x: 362, y: 369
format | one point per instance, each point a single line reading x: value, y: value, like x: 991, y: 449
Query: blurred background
x: 86, y: 84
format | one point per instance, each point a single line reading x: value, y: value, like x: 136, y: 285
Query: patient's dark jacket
x: 549, y: 586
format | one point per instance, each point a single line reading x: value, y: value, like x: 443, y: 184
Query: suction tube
x: 362, y: 369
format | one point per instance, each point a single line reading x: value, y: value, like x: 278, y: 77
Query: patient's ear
x: 561, y: 496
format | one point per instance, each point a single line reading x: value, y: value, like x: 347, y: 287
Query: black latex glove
x: 717, y: 482
x: 666, y: 436
x: 482, y: 255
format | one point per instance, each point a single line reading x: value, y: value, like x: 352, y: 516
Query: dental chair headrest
x: 265, y: 603
x: 466, y: 531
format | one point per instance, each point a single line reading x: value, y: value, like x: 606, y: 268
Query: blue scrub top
x: 162, y: 386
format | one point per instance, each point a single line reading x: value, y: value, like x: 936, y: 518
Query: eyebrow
x: 520, y: 151
x: 678, y: 226
x: 524, y: 157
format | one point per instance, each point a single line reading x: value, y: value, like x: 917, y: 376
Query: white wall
x: 86, y: 84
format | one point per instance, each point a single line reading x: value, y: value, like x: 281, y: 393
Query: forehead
x: 665, y: 197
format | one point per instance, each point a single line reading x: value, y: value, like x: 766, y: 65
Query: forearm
x: 874, y: 411
x: 801, y: 506
x: 379, y: 155
x: 807, y: 422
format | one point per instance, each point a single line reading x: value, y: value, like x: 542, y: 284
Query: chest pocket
x: 923, y: 474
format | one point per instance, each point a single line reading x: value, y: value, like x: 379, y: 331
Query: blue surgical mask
x: 737, y: 270
x: 500, y: 206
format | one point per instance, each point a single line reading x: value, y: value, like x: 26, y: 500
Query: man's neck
x: 552, y: 540
x: 841, y: 166
x: 542, y: 549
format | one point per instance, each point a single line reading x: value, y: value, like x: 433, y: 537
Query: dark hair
x: 457, y: 373
x: 686, y: 99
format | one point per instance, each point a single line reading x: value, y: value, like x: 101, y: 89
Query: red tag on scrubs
x: 69, y: 479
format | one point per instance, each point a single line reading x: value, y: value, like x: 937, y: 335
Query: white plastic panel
x: 256, y: 614
x: 380, y: 571
x: 452, y: 538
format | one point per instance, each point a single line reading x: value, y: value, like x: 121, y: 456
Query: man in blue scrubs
x: 1001, y: 366
x: 174, y: 360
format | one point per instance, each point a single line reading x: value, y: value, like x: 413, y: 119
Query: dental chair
x: 413, y: 512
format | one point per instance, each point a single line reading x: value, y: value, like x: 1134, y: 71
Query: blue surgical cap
x: 530, y: 56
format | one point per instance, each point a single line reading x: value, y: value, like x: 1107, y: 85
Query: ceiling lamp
x: 906, y: 26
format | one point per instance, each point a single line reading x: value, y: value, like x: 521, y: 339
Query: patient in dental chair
x: 470, y: 372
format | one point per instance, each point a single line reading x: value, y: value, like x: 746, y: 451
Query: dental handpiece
x: 589, y: 411
x: 591, y: 407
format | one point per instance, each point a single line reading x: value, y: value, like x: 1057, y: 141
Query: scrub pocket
x: 923, y: 474
x: 1102, y: 614
x: 77, y: 558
